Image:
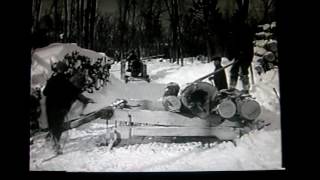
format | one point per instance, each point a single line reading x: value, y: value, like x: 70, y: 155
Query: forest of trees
x: 176, y: 28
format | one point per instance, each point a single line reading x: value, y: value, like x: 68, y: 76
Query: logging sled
x: 198, y: 110
x: 137, y: 70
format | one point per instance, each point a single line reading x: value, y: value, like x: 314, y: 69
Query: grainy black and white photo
x: 154, y: 86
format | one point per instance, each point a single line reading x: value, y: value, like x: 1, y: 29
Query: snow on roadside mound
x: 42, y: 58
x: 259, y: 150
x: 264, y: 92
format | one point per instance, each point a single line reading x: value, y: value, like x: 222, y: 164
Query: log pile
x: 266, y: 48
x: 203, y: 100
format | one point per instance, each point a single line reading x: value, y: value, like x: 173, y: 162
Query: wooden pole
x: 275, y: 91
x: 252, y: 75
x: 215, y: 72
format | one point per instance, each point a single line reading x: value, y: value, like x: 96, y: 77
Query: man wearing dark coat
x: 243, y: 53
x: 61, y: 93
x: 134, y: 64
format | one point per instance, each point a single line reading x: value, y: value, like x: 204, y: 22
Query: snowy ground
x: 259, y: 150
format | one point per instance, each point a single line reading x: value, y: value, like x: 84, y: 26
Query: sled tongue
x: 215, y: 72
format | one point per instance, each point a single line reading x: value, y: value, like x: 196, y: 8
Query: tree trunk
x: 92, y: 23
x: 178, y: 55
x: 56, y: 19
x: 123, y: 10
x: 71, y: 21
x: 86, y: 24
x: 174, y: 46
x: 267, y: 6
x: 133, y: 29
x: 181, y: 56
x: 32, y: 20
x: 207, y: 30
x: 65, y: 20
x: 208, y: 49
x: 175, y: 23
x: 38, y: 10
x: 78, y: 22
x: 82, y: 14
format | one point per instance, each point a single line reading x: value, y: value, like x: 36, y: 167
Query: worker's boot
x: 56, y: 146
x: 233, y: 83
x: 245, y: 84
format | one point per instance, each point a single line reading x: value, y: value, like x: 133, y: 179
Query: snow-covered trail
x: 259, y: 150
x: 116, y: 88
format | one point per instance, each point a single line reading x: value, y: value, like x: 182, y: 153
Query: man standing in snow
x: 60, y: 94
x: 243, y: 53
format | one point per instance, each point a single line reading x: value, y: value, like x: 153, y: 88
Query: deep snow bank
x: 42, y: 58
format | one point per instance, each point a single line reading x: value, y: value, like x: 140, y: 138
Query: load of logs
x: 205, y: 101
x: 266, y: 48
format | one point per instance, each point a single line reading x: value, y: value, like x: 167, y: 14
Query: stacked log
x: 170, y: 99
x: 236, y: 106
x: 266, y: 48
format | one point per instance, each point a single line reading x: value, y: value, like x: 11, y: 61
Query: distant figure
x: 131, y: 58
x: 60, y: 94
x: 117, y: 56
x: 135, y: 64
x: 243, y: 52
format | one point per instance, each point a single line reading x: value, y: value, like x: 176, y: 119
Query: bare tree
x: 243, y: 11
x: 56, y: 18
x: 92, y: 23
x: 268, y: 6
x: 87, y: 24
x: 123, y: 6
x: 205, y: 12
x: 78, y: 21
x: 172, y: 8
x: 65, y: 20
x: 71, y: 17
x: 36, y: 8
x: 82, y: 14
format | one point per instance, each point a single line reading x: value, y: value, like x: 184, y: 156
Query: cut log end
x: 227, y: 109
x: 172, y: 89
x: 249, y: 109
x: 269, y: 56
